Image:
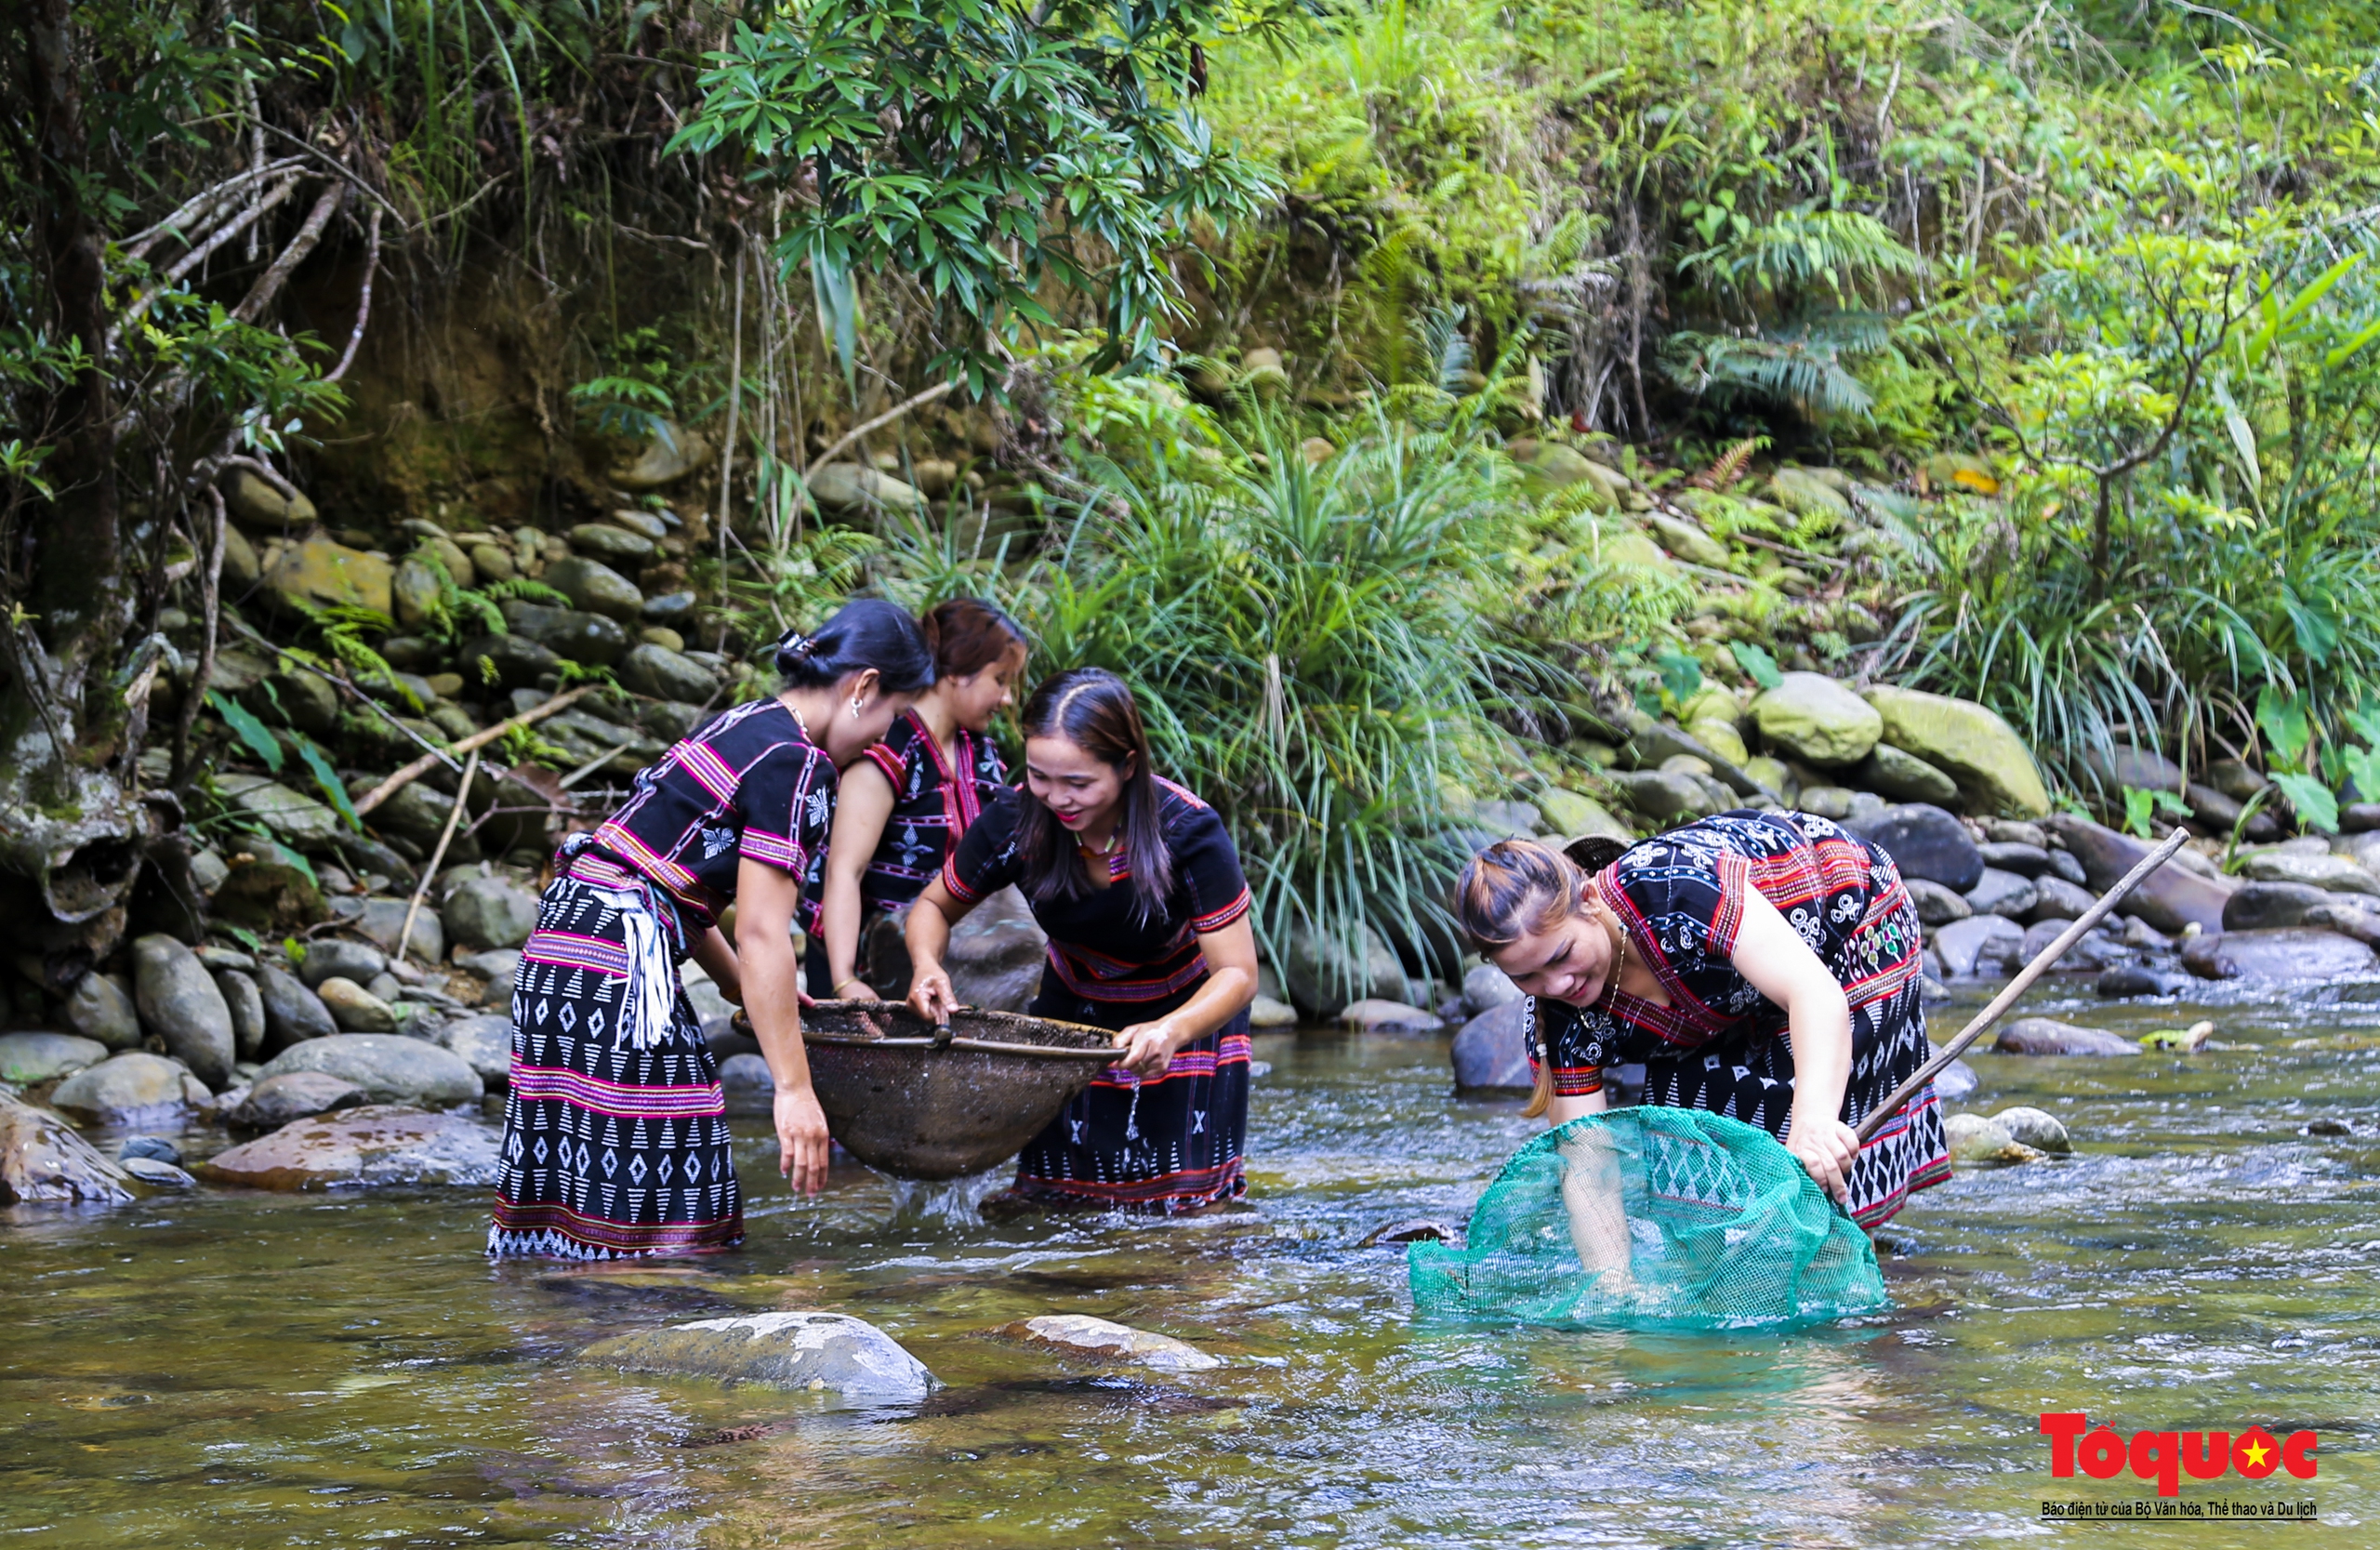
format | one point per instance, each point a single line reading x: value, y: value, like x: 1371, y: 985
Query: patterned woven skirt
x: 1160, y: 1146
x: 616, y: 1141
x: 1750, y: 1078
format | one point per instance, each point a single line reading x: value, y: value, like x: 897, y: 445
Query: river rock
x: 665, y: 674
x: 1575, y: 817
x: 671, y: 453
x: 2332, y: 873
x: 1975, y: 1139
x: 1375, y: 1015
x: 156, y: 1174
x: 2282, y: 955
x: 1812, y: 718
x: 996, y: 954
x: 1490, y: 1054
x: 676, y: 609
x: 490, y: 912
x: 43, y: 1161
x: 2120, y: 980
x: 2170, y: 898
x: 381, y: 918
x: 1981, y: 945
x: 2057, y: 900
x: 2024, y: 860
x: 605, y: 541
x: 843, y: 488
x: 1924, y: 841
x: 27, y: 1058
x: 2097, y: 951
x: 134, y: 1088
x: 788, y: 1350
x: 1484, y: 986
x: 338, y: 958
x: 1999, y: 893
x: 1936, y: 905
x: 102, y: 1007
x: 355, y: 1009
x: 485, y: 1045
x: 179, y: 1003
x: 275, y: 1100
x: 322, y: 573
x: 1953, y: 1081
x: 750, y: 1086
x: 297, y: 818
x: 377, y: 1144
x: 1321, y: 976
x: 292, y: 1012
x: 254, y: 502
x: 1890, y: 772
x: 574, y: 634
x: 2347, y: 919
x: 499, y: 967
x: 417, y: 591
x: 151, y: 1146
x: 1081, y: 1335
x: 516, y: 661
x: 1654, y: 744
x: 243, y: 998
x: 2048, y: 1036
x: 388, y: 1068
x: 1967, y: 742
x: 593, y: 588
x: 2032, y: 1127
x: 1264, y: 1013
x: 2261, y: 906
x: 1664, y: 796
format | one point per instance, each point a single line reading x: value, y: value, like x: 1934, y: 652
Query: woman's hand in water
x: 1827, y: 1148
x: 801, y: 1139
x: 1147, y: 1047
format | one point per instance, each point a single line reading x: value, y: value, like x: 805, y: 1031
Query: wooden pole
x: 421, y: 766
x: 446, y: 837
x: 2022, y: 983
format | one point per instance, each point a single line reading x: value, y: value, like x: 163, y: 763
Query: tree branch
x: 210, y: 595
x: 269, y: 284
x: 363, y: 302
x: 887, y: 417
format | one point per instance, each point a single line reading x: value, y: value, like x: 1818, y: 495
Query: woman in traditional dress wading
x: 1764, y: 966
x: 615, y: 1139
x: 909, y: 798
x: 1139, y: 891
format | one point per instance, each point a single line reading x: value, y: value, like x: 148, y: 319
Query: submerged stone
x: 43, y: 1161
x: 790, y: 1349
x: 377, y: 1144
x: 2048, y: 1036
x: 1079, y: 1334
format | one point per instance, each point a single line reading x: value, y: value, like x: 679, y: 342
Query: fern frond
x: 1729, y: 466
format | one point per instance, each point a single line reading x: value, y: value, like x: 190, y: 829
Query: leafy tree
x: 985, y: 148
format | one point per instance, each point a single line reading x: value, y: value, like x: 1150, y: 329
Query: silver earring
x: 854, y: 710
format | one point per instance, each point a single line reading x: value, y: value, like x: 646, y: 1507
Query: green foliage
x: 247, y: 728
x: 985, y: 149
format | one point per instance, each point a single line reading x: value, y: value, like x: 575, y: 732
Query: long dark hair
x: 866, y: 632
x: 1092, y: 708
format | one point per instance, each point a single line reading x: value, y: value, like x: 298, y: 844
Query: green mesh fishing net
x: 1652, y: 1218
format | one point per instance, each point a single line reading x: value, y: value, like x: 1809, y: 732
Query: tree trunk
x: 70, y: 828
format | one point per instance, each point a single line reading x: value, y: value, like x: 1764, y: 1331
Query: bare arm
x: 1231, y: 984
x: 928, y: 936
x: 862, y: 807
x: 765, y: 898
x: 1775, y: 960
x: 718, y: 958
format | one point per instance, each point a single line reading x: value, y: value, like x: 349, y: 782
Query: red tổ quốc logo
x: 2165, y: 1457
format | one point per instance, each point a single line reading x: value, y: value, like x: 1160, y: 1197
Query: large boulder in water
x: 788, y: 1350
x: 2263, y: 905
x: 1079, y: 1334
x: 376, y: 1145
x: 996, y: 954
x: 1924, y: 842
x: 1491, y: 1055
x: 1970, y: 744
x: 1811, y: 717
x: 390, y: 1067
x: 2282, y: 956
x: 2170, y: 898
x: 276, y: 1101
x: 44, y: 1162
x: 134, y: 1088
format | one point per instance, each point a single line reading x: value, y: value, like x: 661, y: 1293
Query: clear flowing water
x: 234, y: 1370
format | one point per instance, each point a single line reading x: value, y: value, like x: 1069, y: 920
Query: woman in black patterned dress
x: 1764, y: 966
x: 908, y: 799
x: 1140, y: 889
x: 616, y: 1141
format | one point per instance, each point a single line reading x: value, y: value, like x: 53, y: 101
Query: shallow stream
x: 236, y: 1370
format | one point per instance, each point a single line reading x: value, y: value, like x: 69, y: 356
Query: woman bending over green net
x: 1764, y: 968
